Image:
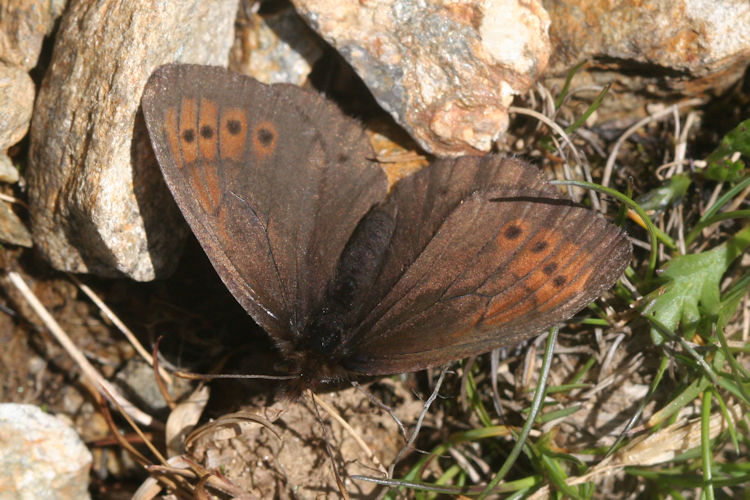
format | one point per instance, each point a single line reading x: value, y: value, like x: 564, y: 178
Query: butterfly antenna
x: 377, y: 402
x: 205, y: 377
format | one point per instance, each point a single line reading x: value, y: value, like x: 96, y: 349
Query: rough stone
x: 446, y: 71
x: 40, y: 456
x: 683, y: 46
x: 23, y: 26
x: 137, y: 382
x: 12, y: 229
x: 8, y: 171
x: 98, y: 202
x: 275, y: 48
x: 16, y: 104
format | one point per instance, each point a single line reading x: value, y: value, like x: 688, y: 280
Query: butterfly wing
x: 476, y: 253
x: 271, y: 179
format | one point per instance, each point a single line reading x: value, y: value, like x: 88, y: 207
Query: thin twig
x: 12, y: 199
x: 380, y: 405
x: 360, y: 442
x: 120, y: 326
x: 102, y: 385
x: 417, y: 427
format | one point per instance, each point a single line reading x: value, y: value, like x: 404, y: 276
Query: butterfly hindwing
x: 483, y: 253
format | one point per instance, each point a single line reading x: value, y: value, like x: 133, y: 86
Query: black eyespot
x: 188, y: 135
x: 559, y: 281
x: 539, y: 246
x: 265, y: 136
x: 207, y: 131
x: 234, y: 127
x: 549, y: 268
x: 512, y: 232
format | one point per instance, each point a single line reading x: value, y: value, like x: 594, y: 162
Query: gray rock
x: 23, y: 26
x: 98, y: 202
x: 40, y: 457
x: 12, y: 229
x: 275, y: 48
x: 16, y: 104
x: 138, y: 384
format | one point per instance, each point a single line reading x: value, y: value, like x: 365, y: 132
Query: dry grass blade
x: 418, y: 426
x: 228, y: 420
x: 187, y: 479
x: 120, y: 326
x: 360, y: 442
x: 371, y: 397
x: 183, y: 418
x: 651, y: 449
x: 102, y: 385
x: 177, y: 474
x: 12, y: 199
x: 149, y: 489
x: 566, y: 138
x: 220, y: 482
x: 609, y: 167
x: 669, y: 442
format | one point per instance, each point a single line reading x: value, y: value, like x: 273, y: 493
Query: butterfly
x: 279, y: 187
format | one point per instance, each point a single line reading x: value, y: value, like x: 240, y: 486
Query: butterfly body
x: 467, y: 255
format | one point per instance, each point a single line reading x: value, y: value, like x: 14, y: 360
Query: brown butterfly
x: 465, y: 256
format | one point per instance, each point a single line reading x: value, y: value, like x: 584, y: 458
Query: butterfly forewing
x: 271, y: 181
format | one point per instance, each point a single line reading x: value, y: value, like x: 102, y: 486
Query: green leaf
x: 722, y: 164
x: 659, y: 199
x: 690, y: 286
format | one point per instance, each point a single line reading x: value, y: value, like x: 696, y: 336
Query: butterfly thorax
x: 317, y: 353
x: 324, y: 343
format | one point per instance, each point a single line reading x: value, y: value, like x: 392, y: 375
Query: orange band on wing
x: 206, y: 185
x: 188, y: 135
x: 233, y: 133
x: 264, y: 137
x: 208, y: 138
